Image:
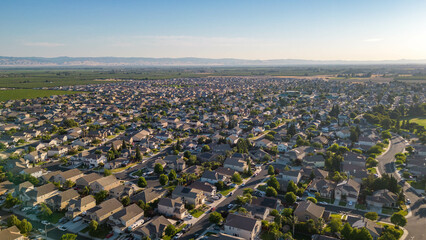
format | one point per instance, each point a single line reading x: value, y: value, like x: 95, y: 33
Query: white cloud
x: 373, y: 40
x: 43, y: 44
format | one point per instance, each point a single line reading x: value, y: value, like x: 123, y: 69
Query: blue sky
x: 286, y: 29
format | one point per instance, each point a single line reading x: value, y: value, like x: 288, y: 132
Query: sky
x: 268, y: 29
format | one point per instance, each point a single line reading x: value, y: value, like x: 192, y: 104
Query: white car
x: 350, y: 203
x: 76, y: 219
x: 62, y: 228
x: 189, y: 216
x: 230, y: 206
x: 45, y: 222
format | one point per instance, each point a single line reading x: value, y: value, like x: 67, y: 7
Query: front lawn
x: 54, y: 218
x: 196, y: 213
x: 360, y: 206
x: 123, y: 168
x: 418, y: 185
x: 262, y: 187
x: 101, y: 232
x: 226, y: 191
x: 335, y: 215
x: 342, y: 203
x: 327, y: 200
x: 389, y: 211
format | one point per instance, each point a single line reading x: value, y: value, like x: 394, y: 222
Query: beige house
x: 125, y: 217
x: 61, y: 200
x: 106, y: 183
x: 172, y: 208
x: 242, y: 226
x: 71, y: 175
x: 38, y: 195
x: 78, y: 206
x: 308, y: 210
x: 104, y: 210
x: 189, y: 195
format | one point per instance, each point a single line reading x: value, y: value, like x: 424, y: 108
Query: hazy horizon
x: 251, y: 30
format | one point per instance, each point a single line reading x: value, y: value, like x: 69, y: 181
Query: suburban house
x: 323, y: 186
x: 38, y: 195
x: 86, y: 180
x: 189, y: 195
x: 347, y: 190
x: 101, y: 212
x: 153, y: 229
x: 61, y: 200
x: 382, y: 198
x: 236, y: 164
x: 208, y: 189
x: 308, y: 210
x: 242, y: 226
x: 11, y: 233
x: 104, y: 184
x: 78, y: 206
x: 149, y: 195
x: 213, y: 177
x: 223, y: 236
x: 372, y: 227
x: 256, y: 211
x: 35, y: 171
x: 172, y: 207
x: 175, y: 162
x: 125, y: 217
x: 290, y: 175
x: 122, y: 191
x: 70, y: 175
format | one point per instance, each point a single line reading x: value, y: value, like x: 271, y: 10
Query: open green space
x: 418, y: 184
x: 196, y: 213
x: 15, y: 94
x: 419, y: 120
x: 226, y: 191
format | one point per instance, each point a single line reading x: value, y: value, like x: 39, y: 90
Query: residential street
x: 417, y: 221
x: 204, y: 223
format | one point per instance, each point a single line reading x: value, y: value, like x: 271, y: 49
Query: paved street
x: 204, y: 223
x: 417, y: 221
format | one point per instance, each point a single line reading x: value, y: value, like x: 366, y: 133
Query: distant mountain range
x: 163, y: 62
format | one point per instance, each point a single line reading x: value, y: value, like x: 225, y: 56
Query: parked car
x: 62, y: 228
x: 230, y: 206
x: 76, y: 219
x: 408, y: 201
x: 45, y: 222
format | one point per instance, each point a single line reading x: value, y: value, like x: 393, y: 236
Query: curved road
x: 416, y: 223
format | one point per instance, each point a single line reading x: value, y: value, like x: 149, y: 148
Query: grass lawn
x: 372, y: 170
x: 360, y: 206
x: 101, y: 232
x: 226, y: 191
x: 54, y: 218
x: 321, y: 199
x: 342, y: 203
x: 123, y: 168
x: 389, y: 211
x: 421, y: 121
x: 15, y: 94
x: 262, y: 187
x: 196, y: 213
x: 267, y: 236
x: 335, y: 215
x: 418, y: 185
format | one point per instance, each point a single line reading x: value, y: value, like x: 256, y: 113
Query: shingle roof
x: 312, y: 208
x: 241, y: 222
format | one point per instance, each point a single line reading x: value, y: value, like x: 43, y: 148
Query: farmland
x: 15, y: 94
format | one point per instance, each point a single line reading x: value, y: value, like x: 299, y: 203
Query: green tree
x: 335, y: 225
x: 69, y: 184
x: 271, y: 192
x: 142, y: 182
x: 164, y: 179
x: 236, y: 178
x: 273, y: 182
x: 290, y: 198
x: 205, y: 148
x: 398, y: 219
x: 371, y: 215
x: 346, y: 230
x: 271, y: 170
x: 291, y: 187
x: 158, y: 168
x: 101, y: 196
x: 170, y: 230
x: 172, y: 175
x: 13, y: 221
x: 107, y: 172
x: 215, y: 218
x: 68, y: 236
x: 93, y: 226
x: 25, y: 227
x: 314, y: 200
x: 125, y: 201
x: 45, y: 210
x: 138, y: 155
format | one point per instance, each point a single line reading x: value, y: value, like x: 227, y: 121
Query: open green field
x: 421, y: 121
x: 15, y: 94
